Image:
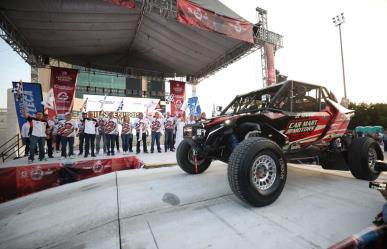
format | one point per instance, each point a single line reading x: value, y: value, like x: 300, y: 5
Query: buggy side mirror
x: 219, y: 108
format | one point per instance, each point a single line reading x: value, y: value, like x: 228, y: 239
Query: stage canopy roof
x: 156, y: 38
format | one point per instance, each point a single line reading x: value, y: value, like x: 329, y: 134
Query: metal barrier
x: 11, y: 147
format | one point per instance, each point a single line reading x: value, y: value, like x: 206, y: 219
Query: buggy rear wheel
x: 362, y: 156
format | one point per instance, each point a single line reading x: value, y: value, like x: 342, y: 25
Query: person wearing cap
x: 91, y: 125
x: 110, y: 130
x: 68, y: 130
x: 38, y: 135
x: 81, y: 132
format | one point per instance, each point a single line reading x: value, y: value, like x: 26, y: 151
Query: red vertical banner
x: 190, y: 13
x: 63, y: 84
x: 269, y: 53
x: 177, y: 90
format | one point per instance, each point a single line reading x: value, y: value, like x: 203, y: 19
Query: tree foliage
x: 368, y: 115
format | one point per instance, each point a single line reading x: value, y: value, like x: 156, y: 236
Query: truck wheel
x: 362, y: 156
x: 185, y: 159
x: 257, y: 171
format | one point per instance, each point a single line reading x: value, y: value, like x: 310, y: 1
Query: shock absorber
x: 233, y: 141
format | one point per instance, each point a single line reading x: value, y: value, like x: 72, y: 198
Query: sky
x: 311, y: 51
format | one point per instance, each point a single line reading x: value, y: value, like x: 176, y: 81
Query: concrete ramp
x: 166, y: 208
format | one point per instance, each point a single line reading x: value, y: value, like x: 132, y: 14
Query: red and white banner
x: 190, y: 13
x: 63, y: 84
x: 24, y: 180
x: 269, y: 53
x: 130, y: 4
x: 177, y: 90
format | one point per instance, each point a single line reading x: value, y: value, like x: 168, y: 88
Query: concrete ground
x: 166, y: 208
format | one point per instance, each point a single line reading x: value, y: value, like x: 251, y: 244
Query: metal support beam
x: 141, y: 17
x: 10, y: 35
x: 165, y: 8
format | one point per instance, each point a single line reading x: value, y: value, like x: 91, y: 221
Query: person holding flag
x: 91, y: 125
x: 156, y: 127
x: 38, y: 134
x: 169, y: 126
x: 81, y: 132
x: 141, y: 126
x: 67, y: 132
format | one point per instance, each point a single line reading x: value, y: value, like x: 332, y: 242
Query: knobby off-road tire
x: 185, y: 159
x: 257, y: 171
x: 362, y: 155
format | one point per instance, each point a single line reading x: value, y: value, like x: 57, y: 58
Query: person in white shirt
x: 180, y: 123
x: 141, y: 126
x: 169, y: 126
x: 91, y: 125
x: 110, y: 133
x: 126, y: 135
x: 118, y: 133
x: 25, y: 134
x: 67, y: 132
x: 38, y: 135
x: 156, y: 127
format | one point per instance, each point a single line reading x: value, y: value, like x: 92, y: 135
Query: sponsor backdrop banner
x: 24, y: 180
x: 32, y: 94
x: 130, y: 4
x: 63, y: 84
x: 190, y: 13
x: 96, y: 103
x: 269, y: 52
x: 177, y: 90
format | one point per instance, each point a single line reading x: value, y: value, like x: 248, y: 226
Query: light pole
x: 338, y: 20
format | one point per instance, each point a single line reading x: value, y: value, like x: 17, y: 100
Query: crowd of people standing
x: 102, y: 134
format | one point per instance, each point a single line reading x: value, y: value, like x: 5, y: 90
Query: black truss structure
x: 166, y: 9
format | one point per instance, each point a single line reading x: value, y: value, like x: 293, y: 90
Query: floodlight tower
x: 337, y: 21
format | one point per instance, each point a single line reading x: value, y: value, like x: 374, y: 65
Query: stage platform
x: 166, y: 208
x: 148, y: 159
x: 18, y: 178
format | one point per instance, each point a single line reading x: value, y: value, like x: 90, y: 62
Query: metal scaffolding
x: 166, y: 9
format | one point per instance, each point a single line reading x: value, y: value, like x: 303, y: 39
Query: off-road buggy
x: 259, y: 132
